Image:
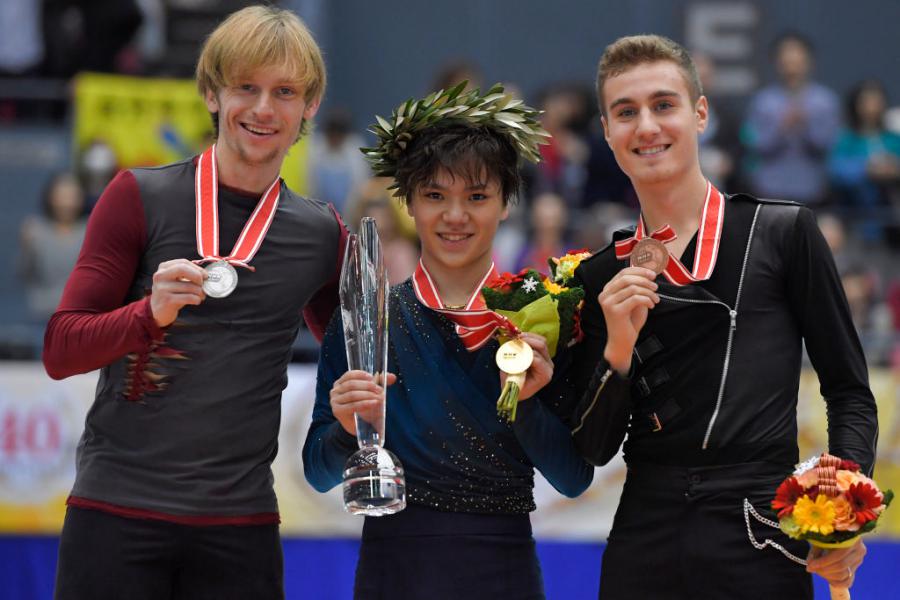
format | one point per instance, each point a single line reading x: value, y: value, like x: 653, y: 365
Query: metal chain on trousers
x: 748, y: 510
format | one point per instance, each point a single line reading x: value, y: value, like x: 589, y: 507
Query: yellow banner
x: 149, y: 122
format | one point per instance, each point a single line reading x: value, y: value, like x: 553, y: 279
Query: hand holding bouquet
x: 537, y: 304
x: 830, y: 504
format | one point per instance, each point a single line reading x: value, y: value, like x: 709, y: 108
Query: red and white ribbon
x: 708, y: 238
x: 206, y: 193
x: 475, y: 323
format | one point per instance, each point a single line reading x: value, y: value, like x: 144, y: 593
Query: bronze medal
x: 650, y: 254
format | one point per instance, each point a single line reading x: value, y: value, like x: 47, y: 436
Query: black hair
x: 473, y: 152
x: 852, y: 100
x: 792, y: 36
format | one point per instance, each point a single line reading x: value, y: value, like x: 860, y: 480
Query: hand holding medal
x: 525, y: 361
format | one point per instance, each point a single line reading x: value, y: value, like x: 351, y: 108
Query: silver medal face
x: 222, y: 279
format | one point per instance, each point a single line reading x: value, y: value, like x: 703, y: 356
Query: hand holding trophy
x: 374, y: 484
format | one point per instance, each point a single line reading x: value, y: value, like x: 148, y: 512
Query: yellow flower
x: 566, y: 265
x: 553, y: 288
x: 817, y: 516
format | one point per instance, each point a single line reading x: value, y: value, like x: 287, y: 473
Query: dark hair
x: 852, y: 100
x: 791, y: 36
x: 49, y: 189
x: 470, y: 152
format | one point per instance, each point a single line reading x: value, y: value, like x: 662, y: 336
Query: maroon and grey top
x: 184, y: 426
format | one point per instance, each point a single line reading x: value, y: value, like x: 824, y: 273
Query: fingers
x: 538, y: 343
x: 182, y: 270
x: 839, y: 566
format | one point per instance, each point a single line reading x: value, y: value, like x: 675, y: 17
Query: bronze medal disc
x: 221, y: 281
x: 650, y: 254
x: 515, y: 356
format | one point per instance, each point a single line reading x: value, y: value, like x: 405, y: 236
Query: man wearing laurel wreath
x: 187, y: 296
x: 692, y: 354
x: 465, y: 532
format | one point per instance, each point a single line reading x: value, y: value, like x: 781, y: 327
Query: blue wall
x: 323, y: 569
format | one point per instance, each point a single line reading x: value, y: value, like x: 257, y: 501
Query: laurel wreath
x: 496, y: 109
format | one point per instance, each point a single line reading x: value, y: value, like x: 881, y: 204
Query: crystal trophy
x: 373, y: 477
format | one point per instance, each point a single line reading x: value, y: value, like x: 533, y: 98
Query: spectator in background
x: 336, y: 164
x: 395, y: 228
x: 456, y: 71
x: 97, y: 165
x: 870, y: 313
x: 790, y: 128
x: 567, y: 112
x: 50, y: 243
x: 865, y: 163
x: 548, y: 233
x: 720, y: 146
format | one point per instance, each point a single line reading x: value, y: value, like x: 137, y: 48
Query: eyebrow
x: 436, y: 186
x: 653, y: 96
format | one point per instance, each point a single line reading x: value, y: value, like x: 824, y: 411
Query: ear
x: 212, y: 102
x: 605, y: 128
x: 505, y: 212
x: 311, y: 109
x: 702, y: 112
x: 409, y: 207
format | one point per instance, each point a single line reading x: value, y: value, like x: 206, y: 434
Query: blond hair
x: 256, y: 37
x: 630, y: 51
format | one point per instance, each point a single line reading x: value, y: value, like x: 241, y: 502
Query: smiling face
x: 652, y: 125
x: 456, y: 220
x: 260, y: 115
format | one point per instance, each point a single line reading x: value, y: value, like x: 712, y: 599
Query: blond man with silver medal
x: 188, y: 294
x: 692, y: 355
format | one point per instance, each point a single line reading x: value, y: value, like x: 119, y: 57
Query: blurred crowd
x: 795, y: 139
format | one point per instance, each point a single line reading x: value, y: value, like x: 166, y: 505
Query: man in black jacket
x: 693, y: 350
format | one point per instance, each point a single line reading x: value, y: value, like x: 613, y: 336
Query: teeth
x: 454, y: 237
x: 260, y: 130
x: 651, y: 150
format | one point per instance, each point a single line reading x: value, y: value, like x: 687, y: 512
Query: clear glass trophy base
x: 373, y: 483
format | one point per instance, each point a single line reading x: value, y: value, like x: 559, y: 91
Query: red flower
x: 786, y: 496
x: 849, y: 465
x: 864, y: 499
x: 505, y: 280
x: 578, y: 251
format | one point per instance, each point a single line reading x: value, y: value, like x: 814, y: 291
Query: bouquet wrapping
x: 539, y: 304
x: 830, y: 504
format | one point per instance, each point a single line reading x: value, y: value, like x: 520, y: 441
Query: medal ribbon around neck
x: 475, y: 324
x: 708, y: 239
x: 207, y: 209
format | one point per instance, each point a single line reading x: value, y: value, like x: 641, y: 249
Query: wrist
x: 618, y: 361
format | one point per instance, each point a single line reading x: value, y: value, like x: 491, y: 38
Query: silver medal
x: 222, y: 279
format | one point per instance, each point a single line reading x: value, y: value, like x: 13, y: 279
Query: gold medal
x: 515, y: 356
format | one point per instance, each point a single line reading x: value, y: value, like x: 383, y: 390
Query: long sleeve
x: 819, y: 303
x: 603, y: 397
x: 546, y: 440
x: 328, y: 445
x: 92, y: 328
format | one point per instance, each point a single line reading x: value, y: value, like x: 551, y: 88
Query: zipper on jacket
x: 732, y: 313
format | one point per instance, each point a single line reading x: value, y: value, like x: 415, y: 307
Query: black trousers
x: 425, y: 554
x: 106, y: 557
x: 680, y: 534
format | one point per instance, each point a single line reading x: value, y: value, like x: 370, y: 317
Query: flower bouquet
x: 538, y: 304
x: 829, y: 503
